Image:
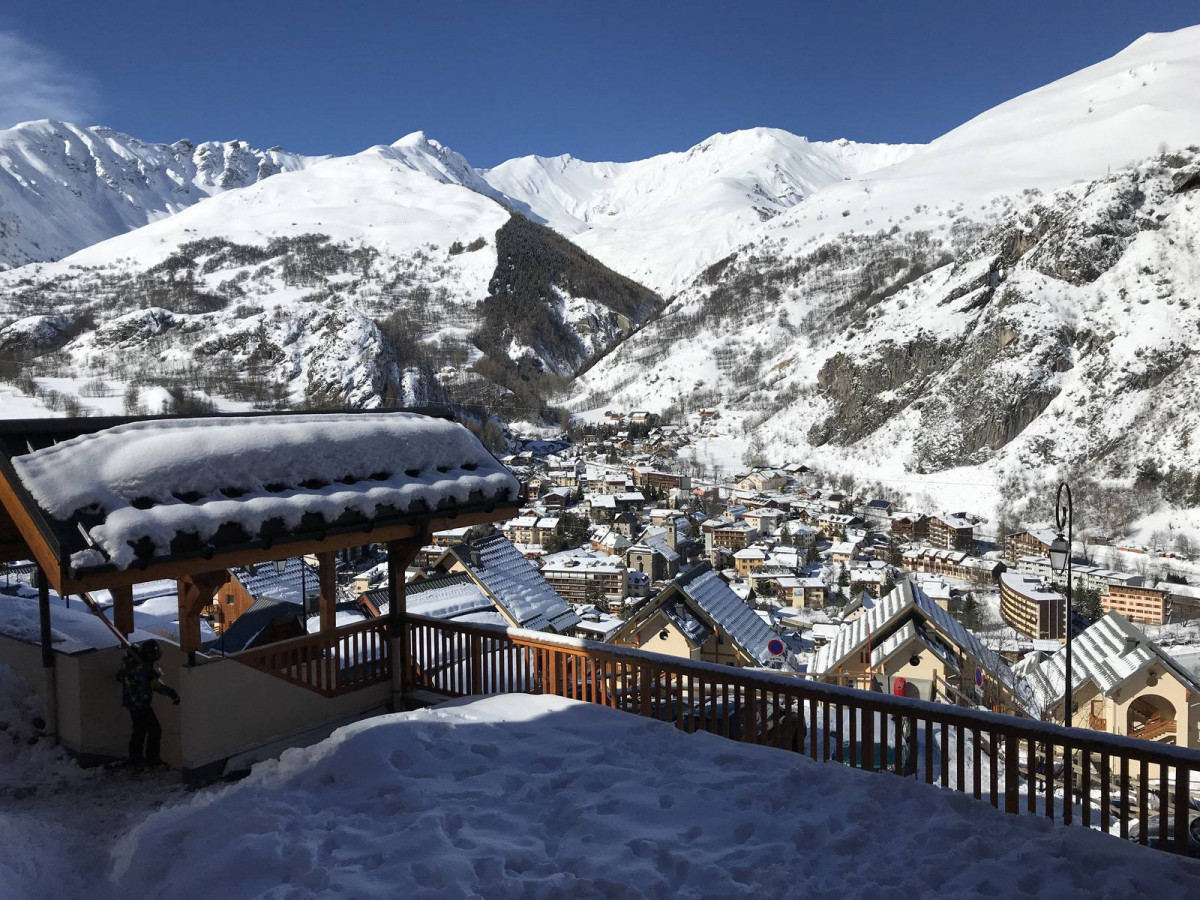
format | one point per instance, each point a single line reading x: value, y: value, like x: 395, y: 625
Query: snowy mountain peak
x: 661, y: 220
x: 64, y: 187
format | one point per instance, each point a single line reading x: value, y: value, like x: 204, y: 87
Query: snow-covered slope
x: 528, y: 796
x: 1078, y: 128
x: 660, y: 220
x: 998, y: 301
x: 64, y: 187
x: 292, y: 278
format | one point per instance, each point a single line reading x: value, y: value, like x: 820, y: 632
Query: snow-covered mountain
x: 918, y: 309
x: 660, y: 220
x: 355, y: 280
x: 1021, y: 292
x: 64, y: 187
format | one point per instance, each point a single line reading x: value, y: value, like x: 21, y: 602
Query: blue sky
x: 614, y: 80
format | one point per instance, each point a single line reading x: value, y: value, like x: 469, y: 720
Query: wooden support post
x: 195, y: 593
x: 327, y: 578
x: 399, y: 555
x: 49, y: 681
x: 122, y: 608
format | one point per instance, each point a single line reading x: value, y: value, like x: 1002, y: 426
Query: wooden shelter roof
x: 64, y: 544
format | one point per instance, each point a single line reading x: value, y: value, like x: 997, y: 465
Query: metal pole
x: 1064, y: 515
x: 49, y: 681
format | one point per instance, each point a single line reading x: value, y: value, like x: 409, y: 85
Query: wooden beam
x: 196, y: 592
x: 177, y: 569
x: 400, y: 557
x: 327, y: 581
x: 123, y: 609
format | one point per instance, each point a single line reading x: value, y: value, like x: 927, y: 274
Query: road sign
x: 775, y: 645
x: 978, y: 677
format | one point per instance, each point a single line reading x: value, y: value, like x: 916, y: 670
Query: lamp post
x: 1060, y: 559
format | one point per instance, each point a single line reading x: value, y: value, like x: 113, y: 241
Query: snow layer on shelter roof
x: 730, y: 613
x: 153, y: 480
x: 515, y: 585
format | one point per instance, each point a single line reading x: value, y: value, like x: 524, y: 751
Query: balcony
x: 1106, y: 782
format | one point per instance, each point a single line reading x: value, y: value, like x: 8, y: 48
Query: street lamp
x: 1060, y: 560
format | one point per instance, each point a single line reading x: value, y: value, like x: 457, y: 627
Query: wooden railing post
x: 475, y: 664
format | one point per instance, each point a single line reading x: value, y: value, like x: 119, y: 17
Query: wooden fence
x: 1072, y: 775
x: 331, y: 663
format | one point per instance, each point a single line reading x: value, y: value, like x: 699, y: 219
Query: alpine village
x: 774, y: 517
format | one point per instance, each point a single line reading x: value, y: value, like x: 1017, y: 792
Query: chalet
x: 910, y: 526
x: 881, y: 508
x: 601, y: 507
x: 626, y: 523
x: 609, y: 540
x: 763, y: 480
x: 748, y: 559
x: 639, y: 416
x: 808, y: 593
x: 533, y: 489
x: 558, y: 498
x: 908, y: 645
x: 1029, y: 543
x: 697, y: 616
x: 630, y: 500
x: 843, y: 551
x: 596, y: 624
x: 1123, y: 683
x: 510, y: 582
x: 834, y: 524
x: 764, y: 519
x: 451, y: 536
x: 612, y: 483
x: 661, y: 482
x: 950, y: 532
x: 291, y: 581
x: 871, y: 579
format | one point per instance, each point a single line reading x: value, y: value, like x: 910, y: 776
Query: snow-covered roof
x: 514, y: 584
x: 263, y: 580
x: 444, y: 597
x: 876, y: 623
x: 151, y: 489
x: 732, y: 615
x: 1107, y: 653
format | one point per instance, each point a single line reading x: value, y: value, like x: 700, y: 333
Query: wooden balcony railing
x: 331, y: 664
x: 1154, y: 728
x: 1072, y: 775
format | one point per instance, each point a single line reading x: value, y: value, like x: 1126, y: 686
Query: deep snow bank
x: 539, y: 796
